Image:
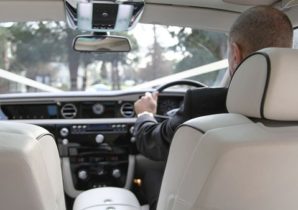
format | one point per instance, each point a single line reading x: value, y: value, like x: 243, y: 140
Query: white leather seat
x: 30, y: 172
x: 246, y: 159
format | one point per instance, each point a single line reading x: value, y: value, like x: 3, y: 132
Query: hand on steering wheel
x: 148, y: 102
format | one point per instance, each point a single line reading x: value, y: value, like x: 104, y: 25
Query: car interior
x: 67, y: 107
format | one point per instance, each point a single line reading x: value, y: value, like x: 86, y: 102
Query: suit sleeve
x: 153, y: 139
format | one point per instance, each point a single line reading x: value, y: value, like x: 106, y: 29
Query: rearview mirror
x: 103, y: 43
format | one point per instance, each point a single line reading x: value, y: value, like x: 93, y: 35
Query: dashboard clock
x: 98, y: 109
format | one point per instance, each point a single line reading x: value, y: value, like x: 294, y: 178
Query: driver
x: 258, y: 27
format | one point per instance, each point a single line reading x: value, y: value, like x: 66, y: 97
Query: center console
x: 95, y: 155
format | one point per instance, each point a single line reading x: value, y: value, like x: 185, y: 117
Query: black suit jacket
x: 153, y: 139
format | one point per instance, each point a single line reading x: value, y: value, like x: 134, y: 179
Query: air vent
x: 69, y: 111
x: 127, y: 110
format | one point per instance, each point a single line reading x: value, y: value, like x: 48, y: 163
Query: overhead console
x: 102, y: 16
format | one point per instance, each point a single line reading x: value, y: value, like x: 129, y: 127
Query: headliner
x: 205, y: 14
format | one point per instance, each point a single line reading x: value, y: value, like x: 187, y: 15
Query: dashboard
x: 93, y: 132
x: 70, y: 110
x: 80, y: 107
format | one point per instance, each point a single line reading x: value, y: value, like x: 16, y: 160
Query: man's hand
x: 148, y: 103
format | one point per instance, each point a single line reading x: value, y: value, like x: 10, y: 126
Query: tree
x: 73, y: 59
x: 4, y: 58
x: 37, y: 45
x: 199, y: 47
x: 158, y: 66
x: 34, y: 46
x: 114, y: 60
x: 4, y: 48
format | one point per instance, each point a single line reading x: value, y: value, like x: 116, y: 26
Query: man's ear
x: 237, y: 55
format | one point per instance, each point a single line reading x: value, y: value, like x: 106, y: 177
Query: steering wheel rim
x: 192, y: 83
x: 161, y: 88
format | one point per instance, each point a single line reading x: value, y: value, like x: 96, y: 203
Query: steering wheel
x: 161, y: 88
x: 187, y: 82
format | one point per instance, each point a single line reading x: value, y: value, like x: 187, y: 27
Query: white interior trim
x: 20, y: 11
x: 130, y: 171
x: 201, y: 18
x: 251, y: 2
x: 67, y: 179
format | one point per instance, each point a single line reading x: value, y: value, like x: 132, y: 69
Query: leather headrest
x: 265, y: 85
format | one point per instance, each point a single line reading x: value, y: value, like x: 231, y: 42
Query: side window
x: 296, y: 38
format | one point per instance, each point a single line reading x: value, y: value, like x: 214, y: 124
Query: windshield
x: 38, y: 57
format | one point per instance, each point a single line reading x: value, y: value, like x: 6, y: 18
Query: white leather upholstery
x: 239, y: 165
x: 230, y: 162
x: 265, y: 85
x: 30, y: 175
x: 106, y: 198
